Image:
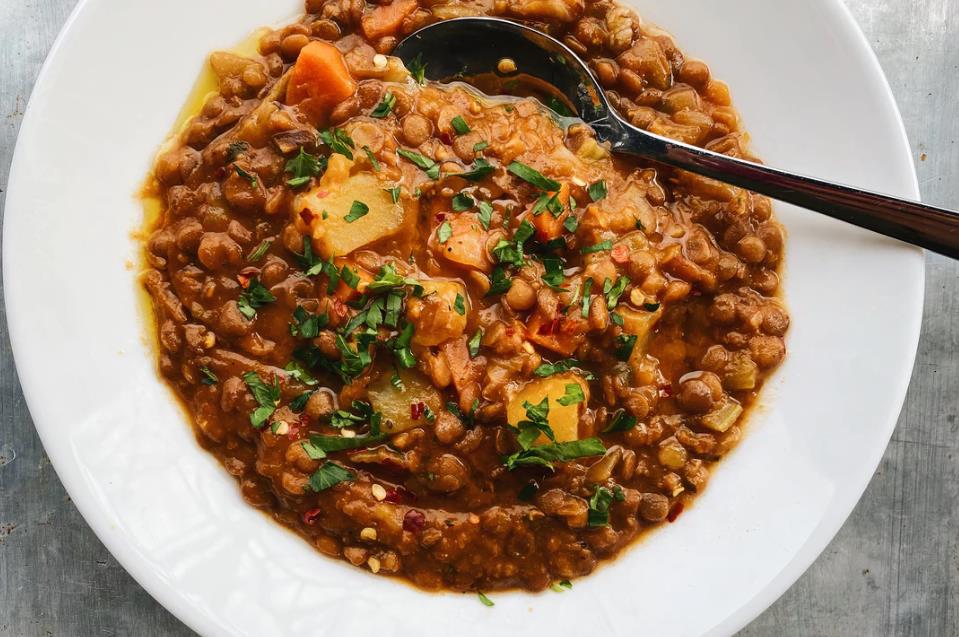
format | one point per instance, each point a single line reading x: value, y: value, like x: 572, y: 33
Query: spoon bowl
x: 473, y: 47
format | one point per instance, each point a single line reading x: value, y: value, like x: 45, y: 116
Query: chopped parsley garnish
x: 486, y: 601
x: 574, y: 394
x: 599, y: 247
x: 209, y: 378
x: 462, y: 202
x: 480, y: 169
x: 624, y: 346
x: 556, y: 105
x: 460, y: 305
x: 250, y: 177
x: 319, y: 446
x: 554, y: 272
x: 297, y: 372
x: 260, y: 250
x: 511, y: 252
x: 614, y: 291
x: 424, y: 163
x: 352, y: 361
x: 306, y: 324
x: 328, y: 475
x: 571, y: 224
x: 266, y: 396
x: 621, y: 421
x: 532, y: 176
x: 479, y: 147
x: 549, y: 202
x: 570, y: 364
x: 304, y: 167
x: 357, y: 210
x: 342, y: 418
x: 459, y: 125
x: 474, y: 343
x: 546, y: 455
x: 561, y: 586
x: 617, y: 319
x: 387, y: 279
x: 298, y: 404
x: 401, y: 347
x: 339, y: 141
x: 313, y: 265
x: 485, y: 214
x: 394, y: 193
x: 587, y: 288
x: 385, y: 107
x: 417, y: 69
x: 444, y: 232
x: 373, y: 161
x: 253, y: 297
x: 468, y: 418
x: 597, y: 190
x: 350, y: 277
x: 599, y: 507
x: 499, y: 281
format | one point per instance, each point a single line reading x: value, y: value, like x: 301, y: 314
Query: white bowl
x: 815, y: 100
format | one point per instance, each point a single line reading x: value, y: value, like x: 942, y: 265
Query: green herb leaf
x: 357, y: 210
x: 444, y: 232
x: 598, y: 514
x: 235, y: 149
x: 485, y: 214
x: 532, y: 176
x: 297, y: 372
x: 394, y: 193
x: 553, y: 276
x: 373, y: 161
x: 621, y: 421
x: 479, y: 147
x: 260, y: 250
x: 500, y: 283
x: 332, y: 444
x: 561, y: 586
x: 328, y: 475
x: 339, y: 141
x: 462, y: 202
x: 304, y: 167
x: 571, y: 224
x: 480, y: 169
x: 250, y: 177
x: 350, y: 277
x: 460, y: 125
x: 253, y: 297
x: 342, y: 418
x: 474, y: 343
x: 385, y: 107
x: 417, y: 69
x: 209, y: 378
x: 427, y: 165
x: 298, y: 404
x: 401, y: 347
x: 574, y: 394
x: 599, y: 247
x: 486, y: 601
x: 511, y: 252
x: 546, y: 455
x: 613, y: 292
x: 587, y: 288
x: 306, y: 324
x: 624, y: 346
x: 570, y: 364
x: 266, y: 396
x: 597, y: 190
x: 460, y: 305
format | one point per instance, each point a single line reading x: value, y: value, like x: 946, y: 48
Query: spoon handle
x: 935, y: 229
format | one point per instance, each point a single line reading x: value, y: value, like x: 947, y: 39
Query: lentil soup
x: 448, y: 336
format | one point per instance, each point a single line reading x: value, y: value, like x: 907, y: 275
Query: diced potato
x: 397, y: 405
x: 467, y: 243
x: 723, y: 417
x: 434, y: 315
x: 563, y: 419
x: 334, y: 235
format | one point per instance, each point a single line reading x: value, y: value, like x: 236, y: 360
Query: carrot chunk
x: 386, y: 18
x: 547, y: 226
x: 320, y: 79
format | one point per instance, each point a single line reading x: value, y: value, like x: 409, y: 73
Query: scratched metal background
x: 892, y: 570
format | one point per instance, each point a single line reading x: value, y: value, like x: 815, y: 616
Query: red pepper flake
x: 310, y: 517
x: 440, y: 216
x: 220, y: 172
x: 667, y: 390
x: 416, y: 410
x: 675, y: 511
x: 414, y: 521
x: 620, y: 253
x: 445, y: 137
x: 307, y: 216
x: 398, y: 495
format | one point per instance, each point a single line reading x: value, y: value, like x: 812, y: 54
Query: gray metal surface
x: 892, y: 570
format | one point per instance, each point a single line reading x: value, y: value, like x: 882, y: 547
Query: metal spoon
x: 462, y: 48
